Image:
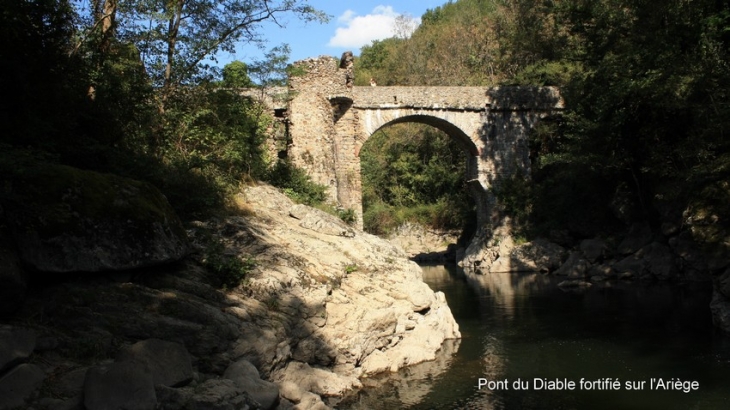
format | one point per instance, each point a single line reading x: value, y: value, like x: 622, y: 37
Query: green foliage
x: 179, y: 36
x: 235, y: 75
x: 134, y: 98
x: 656, y: 121
x: 272, y: 70
x: 229, y: 271
x: 207, y: 142
x: 457, y: 44
x: 414, y: 173
x: 347, y: 215
x: 38, y: 103
x: 296, y: 184
x: 351, y: 268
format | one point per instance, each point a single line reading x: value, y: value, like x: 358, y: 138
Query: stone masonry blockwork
x: 330, y: 120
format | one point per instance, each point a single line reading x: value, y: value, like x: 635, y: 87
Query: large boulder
x: 594, y: 250
x: 246, y: 376
x: 539, y: 255
x: 16, y: 346
x: 64, y: 219
x: 168, y: 362
x: 574, y: 267
x: 638, y: 236
x: 18, y: 386
x: 119, y: 386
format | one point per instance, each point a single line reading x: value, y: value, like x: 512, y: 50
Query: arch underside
x: 447, y: 127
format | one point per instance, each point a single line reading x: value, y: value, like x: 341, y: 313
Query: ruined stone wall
x: 312, y: 131
x: 330, y: 120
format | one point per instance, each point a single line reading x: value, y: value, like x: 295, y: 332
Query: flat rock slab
x: 18, y: 386
x: 16, y: 345
x: 320, y: 221
x: 168, y: 362
x: 119, y: 386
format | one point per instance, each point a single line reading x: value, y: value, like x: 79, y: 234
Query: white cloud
x: 362, y: 30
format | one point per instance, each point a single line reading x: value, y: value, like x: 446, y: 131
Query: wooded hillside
x: 647, y: 86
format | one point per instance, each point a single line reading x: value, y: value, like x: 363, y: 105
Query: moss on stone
x: 56, y: 199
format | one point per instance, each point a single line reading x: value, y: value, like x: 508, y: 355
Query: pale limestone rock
x: 319, y: 381
x: 320, y: 221
x: 501, y: 254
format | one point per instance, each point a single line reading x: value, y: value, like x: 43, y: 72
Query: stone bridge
x: 329, y: 121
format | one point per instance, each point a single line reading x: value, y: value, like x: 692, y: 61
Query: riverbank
x: 322, y: 306
x: 522, y: 326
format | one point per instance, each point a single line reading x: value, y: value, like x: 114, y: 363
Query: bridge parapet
x: 451, y: 98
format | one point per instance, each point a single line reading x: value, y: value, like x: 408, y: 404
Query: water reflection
x: 522, y: 327
x: 411, y: 386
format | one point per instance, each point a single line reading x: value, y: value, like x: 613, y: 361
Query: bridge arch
x: 437, y: 122
x: 329, y: 120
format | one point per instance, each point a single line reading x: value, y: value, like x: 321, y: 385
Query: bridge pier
x: 330, y: 121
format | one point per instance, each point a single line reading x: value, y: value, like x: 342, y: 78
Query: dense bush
x: 296, y: 184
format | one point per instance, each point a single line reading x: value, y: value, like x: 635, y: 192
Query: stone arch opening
x: 430, y: 135
x: 441, y: 124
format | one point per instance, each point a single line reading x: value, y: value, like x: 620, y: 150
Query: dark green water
x: 522, y: 327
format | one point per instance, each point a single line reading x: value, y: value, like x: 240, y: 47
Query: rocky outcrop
x: 672, y: 254
x: 63, y: 219
x: 18, y: 385
x: 499, y: 253
x: 360, y: 297
x: 123, y: 385
x: 317, y: 312
x: 426, y: 245
x: 167, y: 362
x: 19, y: 380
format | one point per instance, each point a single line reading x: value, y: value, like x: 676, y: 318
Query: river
x: 525, y: 341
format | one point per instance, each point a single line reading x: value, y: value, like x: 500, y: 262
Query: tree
x: 177, y: 37
x: 271, y: 71
x: 235, y: 75
x: 405, y: 25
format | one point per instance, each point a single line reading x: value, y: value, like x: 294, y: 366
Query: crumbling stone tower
x: 323, y: 129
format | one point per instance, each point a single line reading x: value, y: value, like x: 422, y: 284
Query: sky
x: 353, y: 24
